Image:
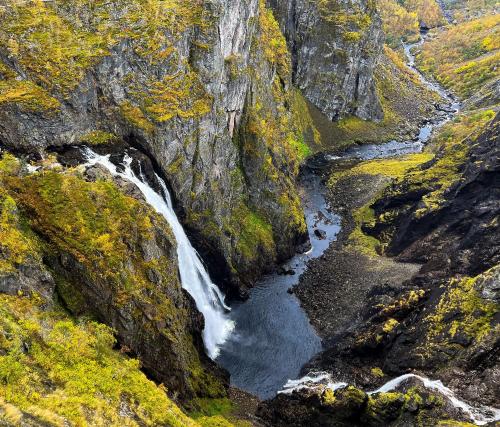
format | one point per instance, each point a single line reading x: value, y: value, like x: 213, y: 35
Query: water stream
x: 322, y: 380
x: 194, y: 277
x: 273, y: 338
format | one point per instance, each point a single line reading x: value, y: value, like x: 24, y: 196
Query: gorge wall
x: 335, y: 46
x: 205, y: 88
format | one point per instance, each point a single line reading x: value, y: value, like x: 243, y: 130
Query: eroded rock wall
x: 178, y: 80
x: 335, y: 45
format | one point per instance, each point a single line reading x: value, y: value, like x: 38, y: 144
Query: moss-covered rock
x: 113, y: 258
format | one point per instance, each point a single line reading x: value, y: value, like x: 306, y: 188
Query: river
x: 273, y: 337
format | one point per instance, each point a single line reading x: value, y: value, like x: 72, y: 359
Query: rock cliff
x: 205, y: 88
x: 334, y: 46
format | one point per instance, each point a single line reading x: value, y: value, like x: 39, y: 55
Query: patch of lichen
x: 58, y: 371
x: 17, y: 242
x: 307, y: 137
x: 462, y: 310
x: 384, y: 407
x: 404, y: 303
x: 349, y: 20
x: 454, y: 423
x: 135, y: 117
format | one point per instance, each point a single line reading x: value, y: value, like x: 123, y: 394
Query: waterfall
x: 194, y: 277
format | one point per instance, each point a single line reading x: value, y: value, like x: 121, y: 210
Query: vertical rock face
x: 335, y: 46
x: 204, y: 88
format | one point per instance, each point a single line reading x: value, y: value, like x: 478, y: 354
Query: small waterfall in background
x: 194, y: 277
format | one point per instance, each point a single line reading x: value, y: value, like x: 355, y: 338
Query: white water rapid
x: 479, y: 415
x: 194, y: 277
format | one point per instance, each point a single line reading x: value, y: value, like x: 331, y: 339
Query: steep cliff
x: 334, y: 46
x: 184, y: 82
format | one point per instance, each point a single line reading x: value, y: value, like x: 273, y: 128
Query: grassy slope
x: 465, y: 57
x: 62, y: 370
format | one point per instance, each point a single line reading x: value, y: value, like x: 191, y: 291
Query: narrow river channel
x: 273, y: 337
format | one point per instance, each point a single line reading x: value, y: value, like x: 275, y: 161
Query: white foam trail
x: 312, y: 380
x: 194, y: 277
x: 479, y: 415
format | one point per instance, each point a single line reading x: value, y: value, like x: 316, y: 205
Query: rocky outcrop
x: 335, y: 46
x: 111, y: 258
x: 349, y: 406
x: 462, y: 224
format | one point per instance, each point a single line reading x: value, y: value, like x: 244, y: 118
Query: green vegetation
x: 392, y: 167
x: 135, y: 117
x: 27, y: 95
x: 98, y: 137
x: 252, y: 231
x: 273, y: 42
x: 451, y: 146
x: 60, y: 371
x: 178, y: 95
x: 217, y: 413
x: 464, y: 58
x: 472, y: 314
x: 17, y: 242
x: 401, y: 19
x: 377, y: 372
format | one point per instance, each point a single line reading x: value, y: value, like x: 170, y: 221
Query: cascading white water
x: 194, y: 277
x: 479, y: 415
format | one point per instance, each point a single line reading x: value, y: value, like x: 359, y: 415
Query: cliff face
x: 205, y: 88
x: 335, y: 46
x: 177, y: 79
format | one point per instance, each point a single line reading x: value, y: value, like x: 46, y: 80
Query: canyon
x: 247, y: 213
